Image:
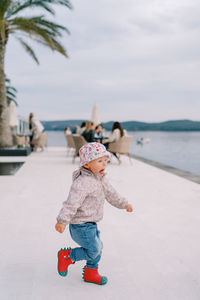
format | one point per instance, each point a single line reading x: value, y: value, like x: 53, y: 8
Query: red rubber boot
x: 92, y: 275
x: 64, y: 261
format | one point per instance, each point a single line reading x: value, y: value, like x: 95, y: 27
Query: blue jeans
x: 87, y: 236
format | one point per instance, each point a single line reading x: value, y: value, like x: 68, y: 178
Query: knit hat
x: 92, y: 151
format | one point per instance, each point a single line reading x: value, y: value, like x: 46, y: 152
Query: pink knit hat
x: 92, y: 151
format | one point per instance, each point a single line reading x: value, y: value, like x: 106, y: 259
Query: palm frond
x: 44, y: 4
x: 36, y: 24
x: 28, y: 49
x: 10, y: 99
x: 18, y: 7
x: 41, y: 30
x: 59, y: 2
x: 10, y: 91
x: 57, y: 46
x: 6, y: 79
x: 4, y: 5
x: 30, y: 26
x: 56, y: 28
x: 11, y: 88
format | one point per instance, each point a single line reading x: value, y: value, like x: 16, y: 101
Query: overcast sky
x: 137, y: 59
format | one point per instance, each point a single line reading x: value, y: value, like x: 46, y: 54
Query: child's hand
x: 60, y: 227
x: 129, y: 208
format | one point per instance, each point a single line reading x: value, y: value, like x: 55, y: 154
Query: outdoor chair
x: 79, y: 141
x: 20, y: 140
x: 121, y: 147
x: 70, y: 143
x: 40, y: 142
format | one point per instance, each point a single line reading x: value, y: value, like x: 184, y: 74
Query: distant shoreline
x: 168, y: 126
x: 184, y: 130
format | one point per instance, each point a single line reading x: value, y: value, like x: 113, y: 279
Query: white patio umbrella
x: 13, y: 117
x: 95, y: 115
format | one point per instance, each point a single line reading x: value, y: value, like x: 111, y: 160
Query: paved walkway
x: 152, y: 254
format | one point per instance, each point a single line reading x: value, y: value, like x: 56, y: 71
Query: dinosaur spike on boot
x: 92, y: 275
x: 64, y: 261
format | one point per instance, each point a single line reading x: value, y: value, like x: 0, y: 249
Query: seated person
x: 82, y: 128
x: 88, y: 134
x: 36, y: 128
x: 99, y: 133
x: 116, y: 134
x: 67, y: 131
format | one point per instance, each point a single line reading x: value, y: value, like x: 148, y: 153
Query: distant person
x: 99, y: 133
x: 84, y: 208
x: 67, y: 131
x: 88, y: 134
x: 116, y: 134
x: 75, y: 129
x: 82, y: 128
x: 36, y: 128
x: 30, y: 129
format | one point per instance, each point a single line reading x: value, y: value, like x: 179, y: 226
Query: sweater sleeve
x: 75, y: 199
x: 112, y: 195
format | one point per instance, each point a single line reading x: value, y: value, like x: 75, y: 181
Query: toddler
x: 84, y: 208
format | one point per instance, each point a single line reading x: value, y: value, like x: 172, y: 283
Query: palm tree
x: 38, y: 28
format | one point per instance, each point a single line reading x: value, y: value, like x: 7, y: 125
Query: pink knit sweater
x: 86, y: 198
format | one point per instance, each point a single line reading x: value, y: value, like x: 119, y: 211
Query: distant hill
x: 61, y: 125
x: 174, y: 125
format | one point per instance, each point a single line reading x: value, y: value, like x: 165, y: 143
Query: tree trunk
x: 5, y: 131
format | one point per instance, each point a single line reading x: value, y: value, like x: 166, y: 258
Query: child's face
x: 98, y: 165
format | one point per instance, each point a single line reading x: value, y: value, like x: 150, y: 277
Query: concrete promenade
x: 151, y: 254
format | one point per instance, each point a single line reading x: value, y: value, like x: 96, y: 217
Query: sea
x: 177, y: 149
